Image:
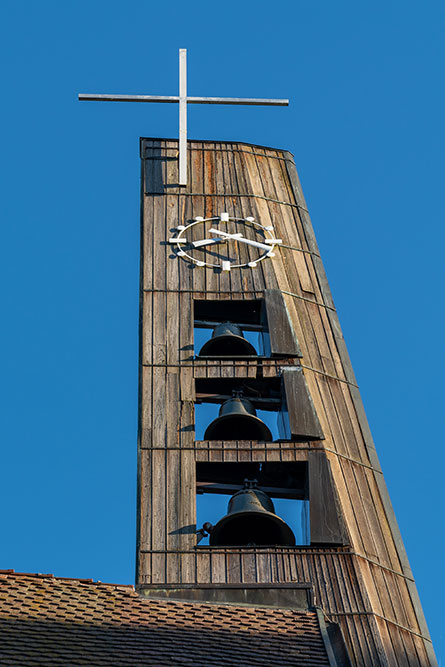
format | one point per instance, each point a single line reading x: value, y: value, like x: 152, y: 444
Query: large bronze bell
x: 227, y: 341
x: 250, y: 521
x: 237, y: 420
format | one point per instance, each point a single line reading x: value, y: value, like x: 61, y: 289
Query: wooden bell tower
x: 236, y: 244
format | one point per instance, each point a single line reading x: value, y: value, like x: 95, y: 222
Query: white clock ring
x: 221, y: 236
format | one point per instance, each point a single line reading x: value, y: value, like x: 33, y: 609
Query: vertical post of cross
x: 182, y: 116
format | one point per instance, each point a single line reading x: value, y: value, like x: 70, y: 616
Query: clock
x: 224, y: 242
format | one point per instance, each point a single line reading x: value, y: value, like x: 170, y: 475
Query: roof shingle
x: 51, y: 620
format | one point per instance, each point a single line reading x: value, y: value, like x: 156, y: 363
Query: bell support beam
x: 208, y: 324
x: 262, y: 403
x: 275, y: 491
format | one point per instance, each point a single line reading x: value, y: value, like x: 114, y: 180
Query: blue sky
x: 366, y: 127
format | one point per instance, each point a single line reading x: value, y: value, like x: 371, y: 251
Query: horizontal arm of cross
x: 171, y: 99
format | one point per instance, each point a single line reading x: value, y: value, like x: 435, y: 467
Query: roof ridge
x: 39, y: 575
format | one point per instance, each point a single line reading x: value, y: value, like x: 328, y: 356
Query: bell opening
x: 252, y: 503
x: 211, y: 507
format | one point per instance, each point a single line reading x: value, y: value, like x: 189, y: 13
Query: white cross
x: 183, y: 100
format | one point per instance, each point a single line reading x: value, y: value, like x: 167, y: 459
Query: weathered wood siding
x: 367, y: 587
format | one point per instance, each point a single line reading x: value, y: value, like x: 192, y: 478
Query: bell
x: 237, y: 420
x: 250, y: 521
x: 227, y: 341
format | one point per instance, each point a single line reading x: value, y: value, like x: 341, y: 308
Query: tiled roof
x: 54, y: 621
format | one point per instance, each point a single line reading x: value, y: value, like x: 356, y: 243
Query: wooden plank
x: 400, y: 647
x: 204, y: 569
x: 173, y: 504
x: 146, y: 408
x: 283, y: 341
x: 300, y: 200
x: 326, y: 409
x: 147, y: 233
x: 367, y: 544
x: 307, y: 340
x: 159, y: 399
x: 185, y: 274
x: 370, y: 599
x: 267, y: 269
x: 172, y: 306
x: 353, y: 443
x: 233, y: 565
x: 159, y: 334
x: 248, y: 566
x: 155, y: 171
x: 386, y: 553
x: 144, y: 500
x: 160, y: 249
x: 158, y: 516
x: 327, y: 524
x: 146, y: 332
x: 218, y: 567
x: 295, y: 262
x: 387, y: 642
x: 358, y: 602
x: 187, y: 514
x: 291, y: 256
x: 263, y: 567
x: 321, y: 339
x: 186, y: 334
x: 250, y: 278
x: 195, y: 206
x: 233, y: 209
x: 172, y: 406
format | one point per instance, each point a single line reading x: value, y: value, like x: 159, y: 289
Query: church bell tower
x: 247, y: 395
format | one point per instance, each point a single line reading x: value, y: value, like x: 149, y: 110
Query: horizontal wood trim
x: 308, y: 551
x: 241, y: 292
x: 328, y: 375
x: 228, y: 195
x: 200, y: 145
x: 286, y: 446
x: 208, y: 150
x: 204, y: 363
x: 383, y: 618
x: 300, y: 549
x: 300, y: 584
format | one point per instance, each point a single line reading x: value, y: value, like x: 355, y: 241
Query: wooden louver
x: 283, y: 342
x: 326, y: 520
x: 303, y: 420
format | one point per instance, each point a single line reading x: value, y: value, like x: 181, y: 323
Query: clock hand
x: 203, y: 242
x: 240, y: 238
